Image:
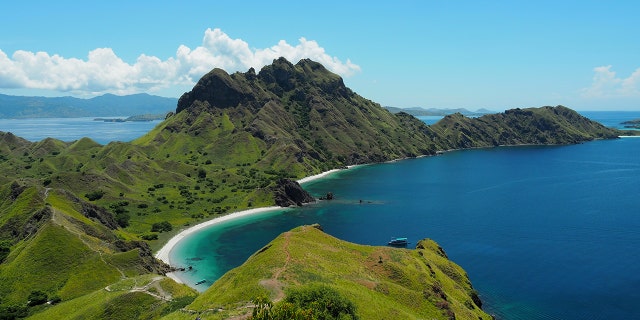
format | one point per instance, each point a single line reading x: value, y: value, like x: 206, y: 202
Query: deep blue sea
x: 543, y: 232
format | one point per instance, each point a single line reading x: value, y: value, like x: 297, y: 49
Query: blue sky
x: 448, y: 54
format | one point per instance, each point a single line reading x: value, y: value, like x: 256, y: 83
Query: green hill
x: 382, y: 282
x: 79, y: 216
x: 62, y: 248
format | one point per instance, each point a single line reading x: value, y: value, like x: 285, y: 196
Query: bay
x: 71, y: 129
x: 545, y: 232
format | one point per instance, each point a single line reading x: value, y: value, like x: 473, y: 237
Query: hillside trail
x: 274, y: 284
x: 159, y: 293
x: 155, y: 285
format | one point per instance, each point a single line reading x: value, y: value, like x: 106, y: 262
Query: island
x: 80, y: 221
x: 141, y: 118
x: 632, y: 124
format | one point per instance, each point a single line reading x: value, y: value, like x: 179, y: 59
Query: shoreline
x: 319, y: 175
x: 164, y: 252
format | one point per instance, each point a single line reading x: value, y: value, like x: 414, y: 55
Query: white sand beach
x: 163, y: 253
x: 318, y: 176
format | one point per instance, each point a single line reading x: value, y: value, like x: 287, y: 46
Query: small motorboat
x: 201, y: 281
x: 398, y: 242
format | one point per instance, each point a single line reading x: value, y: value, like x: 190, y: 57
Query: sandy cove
x: 163, y: 253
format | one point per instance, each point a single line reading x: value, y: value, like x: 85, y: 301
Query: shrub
x: 161, y: 226
x: 55, y: 299
x: 37, y: 297
x: 323, y: 300
x: 13, y: 312
x: 150, y: 236
x: 95, y: 195
x: 308, y: 302
x: 122, y: 218
x: 5, y: 248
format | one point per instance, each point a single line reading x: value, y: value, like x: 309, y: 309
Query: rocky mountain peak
x: 274, y: 81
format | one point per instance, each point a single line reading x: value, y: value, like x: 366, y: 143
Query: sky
x: 430, y: 53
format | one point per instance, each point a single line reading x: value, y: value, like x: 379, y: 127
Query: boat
x: 398, y: 242
x: 201, y: 281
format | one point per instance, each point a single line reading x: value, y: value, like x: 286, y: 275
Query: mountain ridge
x: 225, y: 148
x: 420, y: 111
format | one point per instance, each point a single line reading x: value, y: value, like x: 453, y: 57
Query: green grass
x: 401, y: 286
x: 56, y: 262
x: 206, y: 161
x: 123, y: 300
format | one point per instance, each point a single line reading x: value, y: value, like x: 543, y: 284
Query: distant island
x: 419, y: 111
x: 108, y: 105
x: 80, y: 221
x: 140, y: 118
x: 632, y: 124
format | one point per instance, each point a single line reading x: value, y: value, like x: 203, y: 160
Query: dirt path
x: 154, y: 284
x: 285, y: 247
x: 274, y: 284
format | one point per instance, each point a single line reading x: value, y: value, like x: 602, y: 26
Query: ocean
x: 544, y: 232
x: 71, y: 129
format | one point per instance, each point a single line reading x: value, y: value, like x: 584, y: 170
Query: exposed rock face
x: 100, y: 214
x: 217, y: 88
x: 149, y: 263
x: 16, y: 190
x: 304, y: 114
x: 290, y: 193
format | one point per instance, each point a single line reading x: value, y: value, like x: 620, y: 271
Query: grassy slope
x: 64, y: 253
x: 407, y: 284
x: 206, y: 161
x: 143, y: 297
x: 546, y: 125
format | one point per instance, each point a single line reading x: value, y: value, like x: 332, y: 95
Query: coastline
x: 318, y: 176
x: 164, y: 253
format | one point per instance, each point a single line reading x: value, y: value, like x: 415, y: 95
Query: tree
x: 161, y: 226
x: 95, y: 195
x: 202, y: 174
x: 36, y: 297
x: 122, y: 218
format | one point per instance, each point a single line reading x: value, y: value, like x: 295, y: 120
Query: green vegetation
x: 79, y: 217
x: 315, y: 301
x: 144, y: 297
x: 357, y: 282
x: 163, y: 226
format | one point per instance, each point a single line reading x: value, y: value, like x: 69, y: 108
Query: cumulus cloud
x: 607, y: 84
x: 103, y: 71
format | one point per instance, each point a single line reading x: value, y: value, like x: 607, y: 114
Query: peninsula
x: 79, y: 221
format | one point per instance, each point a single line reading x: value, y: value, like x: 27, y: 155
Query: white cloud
x: 606, y: 84
x: 103, y: 71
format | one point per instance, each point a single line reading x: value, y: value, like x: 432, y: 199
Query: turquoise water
x: 544, y: 232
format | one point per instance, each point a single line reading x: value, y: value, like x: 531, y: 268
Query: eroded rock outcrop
x: 290, y: 193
